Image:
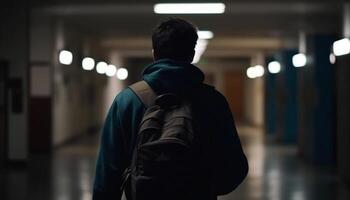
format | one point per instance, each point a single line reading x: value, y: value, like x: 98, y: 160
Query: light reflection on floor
x: 275, y: 174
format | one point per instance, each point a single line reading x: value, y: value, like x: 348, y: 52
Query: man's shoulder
x: 212, y: 94
x: 127, y: 98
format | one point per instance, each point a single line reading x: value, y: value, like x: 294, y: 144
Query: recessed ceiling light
x: 122, y: 73
x: 65, y: 57
x: 101, y: 67
x: 88, y: 63
x: 341, y: 47
x: 274, y: 67
x: 299, y: 60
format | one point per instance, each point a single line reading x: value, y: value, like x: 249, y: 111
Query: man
x: 222, y: 163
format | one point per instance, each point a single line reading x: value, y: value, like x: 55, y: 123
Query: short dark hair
x: 175, y: 39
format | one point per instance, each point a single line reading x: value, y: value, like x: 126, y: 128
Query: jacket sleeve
x: 230, y: 165
x: 110, y: 162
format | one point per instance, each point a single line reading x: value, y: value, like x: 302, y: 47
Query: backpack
x: 162, y: 163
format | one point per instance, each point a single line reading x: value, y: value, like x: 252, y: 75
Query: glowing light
x: 122, y: 73
x: 259, y: 70
x: 201, y: 46
x: 101, y: 67
x: 111, y: 70
x: 274, y: 67
x: 256, y: 71
x: 189, y: 8
x: 88, y: 63
x: 299, y: 60
x: 206, y: 35
x: 341, y: 47
x: 332, y: 58
x: 251, y: 72
x: 65, y: 57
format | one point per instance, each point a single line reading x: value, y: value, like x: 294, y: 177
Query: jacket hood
x: 167, y: 75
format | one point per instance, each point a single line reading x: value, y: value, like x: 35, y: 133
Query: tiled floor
x: 275, y: 174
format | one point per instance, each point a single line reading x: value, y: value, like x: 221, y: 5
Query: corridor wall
x: 282, y: 112
x: 316, y: 104
x: 342, y: 116
x: 270, y: 102
x: 78, y: 95
x: 14, y: 50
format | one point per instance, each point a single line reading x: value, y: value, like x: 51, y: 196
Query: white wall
x: 78, y: 95
x: 113, y: 85
x: 81, y: 99
x: 254, y: 101
x: 255, y: 94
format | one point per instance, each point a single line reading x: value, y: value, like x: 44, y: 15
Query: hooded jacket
x: 224, y: 163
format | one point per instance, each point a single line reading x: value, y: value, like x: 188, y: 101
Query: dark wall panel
x: 343, y: 119
x: 270, y: 102
x: 286, y: 105
x: 317, y: 102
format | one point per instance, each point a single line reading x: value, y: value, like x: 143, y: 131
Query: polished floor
x: 275, y: 173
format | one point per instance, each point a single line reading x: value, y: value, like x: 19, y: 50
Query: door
x: 40, y: 121
x: 3, y: 112
x: 233, y: 89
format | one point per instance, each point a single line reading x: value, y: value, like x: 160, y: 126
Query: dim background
x: 293, y: 121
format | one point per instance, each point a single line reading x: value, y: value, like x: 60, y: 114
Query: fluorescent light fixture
x: 122, y: 73
x: 201, y: 46
x: 101, y: 67
x: 111, y: 70
x: 274, y: 67
x: 299, y: 60
x: 88, y: 63
x: 65, y: 57
x: 189, y: 8
x: 205, y: 35
x: 341, y: 47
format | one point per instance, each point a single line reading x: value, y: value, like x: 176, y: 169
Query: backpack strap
x: 144, y: 92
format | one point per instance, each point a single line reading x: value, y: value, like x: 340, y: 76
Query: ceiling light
x: 299, y: 60
x: 189, y: 8
x: 101, y: 67
x: 256, y: 71
x: 65, y: 57
x: 122, y: 73
x: 259, y: 70
x: 206, y: 35
x: 332, y: 58
x: 251, y: 72
x: 111, y: 70
x: 341, y: 47
x: 88, y: 63
x: 201, y: 46
x: 274, y: 67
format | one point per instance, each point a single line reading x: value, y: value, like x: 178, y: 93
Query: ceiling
x: 246, y: 26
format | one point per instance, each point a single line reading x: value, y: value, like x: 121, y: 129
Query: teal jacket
x: 224, y: 163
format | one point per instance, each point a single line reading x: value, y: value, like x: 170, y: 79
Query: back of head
x: 175, y: 39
